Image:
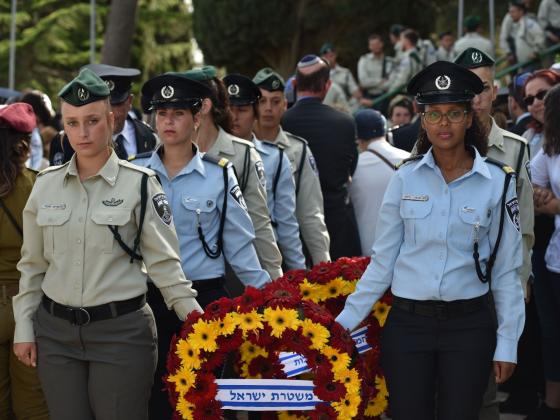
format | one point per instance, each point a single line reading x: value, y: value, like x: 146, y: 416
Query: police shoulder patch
x: 528, y: 168
x: 162, y: 208
x: 259, y: 168
x: 237, y: 195
x: 512, y: 208
x: 313, y: 164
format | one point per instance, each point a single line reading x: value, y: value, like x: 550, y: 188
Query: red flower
x: 295, y: 276
x: 213, y: 360
x: 326, y: 388
x: 250, y: 299
x: 293, y: 340
x: 317, y: 313
x: 208, y: 409
x: 187, y: 327
x: 316, y: 360
x: 204, y: 390
x: 266, y: 367
x: 322, y: 411
x: 281, y: 293
x: 218, y: 308
x: 323, y: 273
x: 173, y: 362
x: 335, y: 306
x: 264, y: 338
x: 341, y: 338
x: 231, y: 343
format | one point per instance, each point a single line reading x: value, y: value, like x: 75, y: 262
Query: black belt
x: 202, y: 286
x: 440, y: 309
x: 84, y: 316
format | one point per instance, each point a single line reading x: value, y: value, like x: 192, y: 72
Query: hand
x: 503, y: 371
x: 542, y: 196
x: 26, y: 353
x: 551, y: 208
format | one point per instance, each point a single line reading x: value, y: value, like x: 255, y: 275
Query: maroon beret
x: 18, y: 117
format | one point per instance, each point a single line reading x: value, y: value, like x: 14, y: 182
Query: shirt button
x: 441, y: 256
x: 78, y: 241
x: 78, y: 262
x: 110, y: 219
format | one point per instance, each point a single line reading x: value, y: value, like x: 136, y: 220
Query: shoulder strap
x: 520, y: 157
x: 245, y: 175
x: 11, y: 218
x: 300, y: 166
x: 383, y: 67
x: 383, y: 158
x: 276, y: 179
x: 407, y: 160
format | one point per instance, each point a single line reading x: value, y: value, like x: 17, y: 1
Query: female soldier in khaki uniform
x: 82, y: 287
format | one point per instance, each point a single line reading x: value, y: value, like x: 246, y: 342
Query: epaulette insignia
x: 220, y: 161
x: 140, y: 156
x: 506, y: 168
x: 410, y: 159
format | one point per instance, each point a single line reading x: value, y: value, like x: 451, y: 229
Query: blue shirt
x: 197, y: 193
x: 424, y: 245
x: 282, y: 203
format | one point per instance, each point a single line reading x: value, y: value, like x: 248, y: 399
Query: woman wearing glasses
x: 443, y: 216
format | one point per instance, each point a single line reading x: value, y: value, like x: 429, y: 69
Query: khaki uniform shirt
x: 234, y: 149
x: 309, y: 198
x: 336, y: 98
x: 344, y: 78
x: 549, y: 14
x: 10, y: 239
x: 505, y: 147
x: 70, y: 254
x: 408, y: 66
x: 474, y: 40
x: 371, y: 75
x: 528, y: 37
x: 444, y: 55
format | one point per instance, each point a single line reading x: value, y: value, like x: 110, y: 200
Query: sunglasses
x: 530, y: 99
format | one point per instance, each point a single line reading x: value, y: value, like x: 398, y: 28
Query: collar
x: 479, y: 166
x: 524, y: 115
x: 223, y: 144
x: 108, y: 172
x: 282, y: 138
x: 196, y: 163
x: 495, y: 138
x: 308, y: 98
x: 261, y: 148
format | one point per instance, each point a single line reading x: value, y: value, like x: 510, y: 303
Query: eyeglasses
x: 530, y: 99
x: 455, y: 116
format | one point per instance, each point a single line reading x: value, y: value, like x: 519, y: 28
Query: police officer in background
x: 212, y: 222
x: 130, y: 135
x: 214, y: 137
x: 92, y: 230
x: 437, y: 246
x: 309, y: 198
x: 244, y: 98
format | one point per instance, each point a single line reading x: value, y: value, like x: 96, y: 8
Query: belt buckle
x: 440, y: 310
x: 76, y: 317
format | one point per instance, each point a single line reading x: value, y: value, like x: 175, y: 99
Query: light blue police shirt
x: 424, y: 245
x: 199, y: 188
x: 282, y: 204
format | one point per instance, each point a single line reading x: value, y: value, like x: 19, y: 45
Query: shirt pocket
x: 414, y: 215
x: 101, y: 236
x: 200, y: 209
x: 55, y: 229
x: 474, y: 223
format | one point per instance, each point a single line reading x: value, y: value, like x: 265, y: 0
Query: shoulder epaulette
x: 293, y: 136
x: 220, y: 161
x: 31, y: 170
x: 506, y: 168
x: 52, y: 169
x: 137, y: 168
x: 513, y: 136
x: 140, y: 156
x: 407, y: 160
x: 242, y: 141
x: 269, y: 144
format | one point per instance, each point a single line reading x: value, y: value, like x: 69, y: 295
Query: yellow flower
x: 376, y: 406
x: 227, y: 325
x: 204, y: 336
x: 284, y: 415
x: 188, y: 354
x: 249, y: 351
x: 335, y: 287
x: 318, y: 334
x: 380, y: 311
x: 381, y: 386
x: 347, y: 407
x: 280, y: 319
x: 350, y: 379
x: 309, y: 291
x: 184, y: 380
x: 185, y: 408
x: 340, y: 361
x: 249, y: 321
x: 349, y: 287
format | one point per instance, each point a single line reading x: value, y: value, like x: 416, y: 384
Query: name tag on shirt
x: 413, y: 197
x: 61, y: 206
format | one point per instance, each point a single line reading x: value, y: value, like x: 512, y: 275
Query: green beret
x: 326, y: 47
x: 472, y: 22
x: 473, y: 58
x: 87, y: 87
x: 201, y: 74
x: 268, y: 79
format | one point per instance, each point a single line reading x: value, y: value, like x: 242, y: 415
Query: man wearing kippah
x: 309, y: 198
x: 331, y: 138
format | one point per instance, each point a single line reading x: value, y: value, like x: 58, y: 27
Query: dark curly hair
x: 552, y: 122
x: 474, y: 136
x: 221, y: 114
x: 14, y: 148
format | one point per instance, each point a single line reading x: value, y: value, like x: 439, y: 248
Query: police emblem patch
x: 313, y: 164
x: 512, y: 207
x: 238, y: 196
x: 233, y: 90
x: 83, y: 94
x: 58, y: 158
x: 528, y: 168
x: 112, y: 202
x: 476, y: 57
x: 275, y: 84
x: 167, y: 92
x: 260, y: 173
x: 110, y: 84
x: 162, y: 208
x: 443, y: 82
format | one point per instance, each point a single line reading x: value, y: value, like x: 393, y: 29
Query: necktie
x: 119, y: 147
